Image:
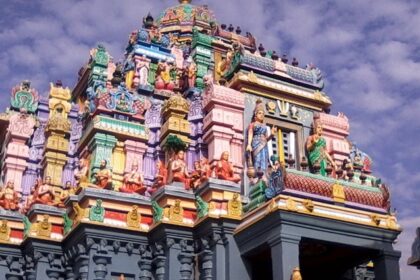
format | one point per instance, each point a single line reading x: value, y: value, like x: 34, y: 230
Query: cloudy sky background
x: 369, y: 52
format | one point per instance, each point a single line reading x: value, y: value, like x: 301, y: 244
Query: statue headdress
x: 259, y: 106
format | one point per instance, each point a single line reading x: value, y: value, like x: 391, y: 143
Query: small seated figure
x: 103, y: 178
x: 62, y: 194
x: 45, y: 194
x: 160, y: 177
x: 206, y: 169
x: 31, y: 198
x: 224, y: 169
x: 9, y: 198
x: 133, y: 181
x: 178, y: 170
x: 196, y: 175
x: 81, y: 174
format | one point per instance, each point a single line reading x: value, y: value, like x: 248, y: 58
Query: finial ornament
x: 184, y: 1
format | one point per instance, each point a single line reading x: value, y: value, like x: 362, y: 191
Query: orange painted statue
x: 160, y: 177
x: 9, y: 198
x: 224, y: 169
x: 178, y: 170
x: 196, y: 175
x: 133, y: 181
x: 103, y: 177
x: 81, y: 174
x: 45, y: 193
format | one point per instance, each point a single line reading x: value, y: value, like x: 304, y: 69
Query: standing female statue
x: 258, y: 137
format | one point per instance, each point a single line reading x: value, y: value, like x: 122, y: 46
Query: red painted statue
x: 224, y: 169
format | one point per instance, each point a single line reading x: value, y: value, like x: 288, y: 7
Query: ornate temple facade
x: 201, y: 155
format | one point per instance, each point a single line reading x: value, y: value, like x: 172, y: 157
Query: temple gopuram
x: 200, y: 155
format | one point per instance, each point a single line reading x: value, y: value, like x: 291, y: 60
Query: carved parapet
x: 11, y: 227
x: 116, y: 209
x: 221, y: 198
x: 45, y: 222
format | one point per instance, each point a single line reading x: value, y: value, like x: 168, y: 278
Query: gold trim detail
x: 272, y: 206
x: 176, y: 212
x: 291, y: 204
x: 308, y: 204
x: 338, y: 194
x: 80, y: 212
x: 296, y: 274
x: 4, y: 231
x: 235, y: 206
x: 133, y: 218
x: 44, y: 227
x: 375, y: 219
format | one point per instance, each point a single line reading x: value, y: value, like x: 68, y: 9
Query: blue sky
x: 369, y: 52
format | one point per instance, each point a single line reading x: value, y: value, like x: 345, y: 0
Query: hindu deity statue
x: 160, y: 177
x: 224, y: 169
x: 196, y: 175
x: 103, y: 177
x: 178, y: 170
x: 33, y: 194
x: 9, y: 198
x: 163, y: 76
x: 63, y: 193
x: 133, y: 181
x: 81, y: 174
x: 258, y: 137
x: 276, y: 177
x: 316, y: 148
x: 129, y: 69
x: 45, y: 193
x: 192, y: 74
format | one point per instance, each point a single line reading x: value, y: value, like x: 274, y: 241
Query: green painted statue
x: 202, y: 207
x: 97, y: 212
x: 68, y: 223
x: 157, y: 212
x: 317, y: 150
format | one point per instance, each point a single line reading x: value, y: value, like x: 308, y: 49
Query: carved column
x: 134, y: 153
x: 101, y: 146
x: 118, y: 163
x: 386, y: 265
x: 101, y: 260
x: 17, y: 152
x: 224, y: 123
x: 186, y: 258
x: 202, y: 56
x: 174, y: 112
x: 159, y: 262
x: 81, y: 261
x: 153, y: 122
x: 205, y: 259
x: 284, y: 255
x: 15, y: 268
x: 145, y: 263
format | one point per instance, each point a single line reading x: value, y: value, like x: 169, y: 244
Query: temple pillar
x: 101, y: 146
x: 224, y: 123
x: 386, y: 265
x: 53, y: 164
x: 118, y: 162
x: 134, y: 153
x: 284, y: 255
x: 17, y: 152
